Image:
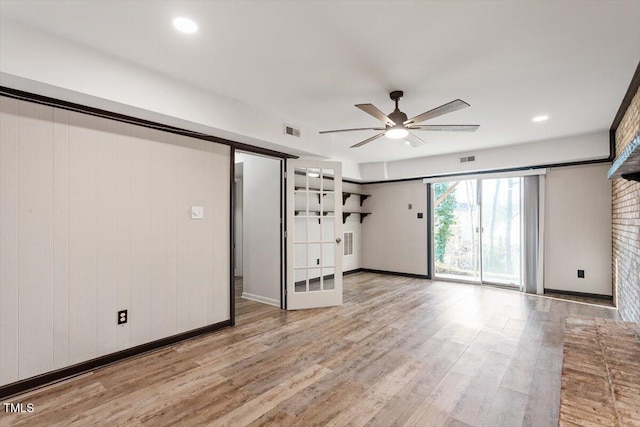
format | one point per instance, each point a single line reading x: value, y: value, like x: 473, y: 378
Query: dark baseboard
x: 38, y: 381
x: 346, y: 273
x: 578, y: 294
x: 396, y: 273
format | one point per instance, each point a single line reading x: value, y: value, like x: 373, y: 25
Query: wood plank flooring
x: 399, y: 351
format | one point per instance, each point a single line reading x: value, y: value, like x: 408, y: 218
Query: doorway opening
x: 258, y: 234
x: 477, y: 231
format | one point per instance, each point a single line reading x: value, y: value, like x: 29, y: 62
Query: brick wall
x: 625, y: 224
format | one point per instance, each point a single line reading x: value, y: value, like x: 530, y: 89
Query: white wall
x: 95, y: 218
x: 578, y: 229
x: 393, y: 238
x: 576, y: 148
x: 261, y: 228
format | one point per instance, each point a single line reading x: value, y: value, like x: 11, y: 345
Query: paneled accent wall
x: 625, y: 224
x: 95, y: 217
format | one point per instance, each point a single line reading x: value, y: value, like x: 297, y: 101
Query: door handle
x: 338, y: 240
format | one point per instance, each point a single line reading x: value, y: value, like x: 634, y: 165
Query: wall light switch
x: 197, y: 212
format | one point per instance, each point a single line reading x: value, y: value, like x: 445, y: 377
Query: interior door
x: 314, y: 234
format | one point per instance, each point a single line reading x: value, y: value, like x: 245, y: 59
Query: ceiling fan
x: 397, y: 126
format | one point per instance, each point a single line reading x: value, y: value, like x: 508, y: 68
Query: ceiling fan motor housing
x: 398, y: 117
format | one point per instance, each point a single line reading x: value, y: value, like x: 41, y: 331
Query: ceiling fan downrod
x: 396, y: 96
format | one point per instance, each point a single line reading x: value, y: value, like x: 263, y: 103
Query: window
x: 348, y: 243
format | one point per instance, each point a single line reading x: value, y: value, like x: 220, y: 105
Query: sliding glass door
x: 455, y: 237
x: 501, y: 237
x: 477, y: 230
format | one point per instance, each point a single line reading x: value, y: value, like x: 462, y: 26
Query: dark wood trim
x: 71, y: 106
x: 429, y: 233
x: 612, y: 145
x: 38, y: 381
x: 395, y: 273
x: 634, y: 85
x: 283, y: 255
x: 350, y: 181
x: 232, y: 235
x: 354, y: 271
x: 283, y: 229
x: 483, y: 172
x: 578, y: 294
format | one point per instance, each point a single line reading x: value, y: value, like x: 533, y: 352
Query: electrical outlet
x: 123, y: 317
x: 581, y: 274
x: 420, y: 215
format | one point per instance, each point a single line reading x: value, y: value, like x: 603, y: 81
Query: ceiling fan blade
x: 368, y: 140
x: 415, y: 141
x: 438, y: 111
x: 373, y: 110
x: 349, y: 130
x: 447, y: 128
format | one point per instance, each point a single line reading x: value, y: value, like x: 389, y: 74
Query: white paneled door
x: 314, y: 234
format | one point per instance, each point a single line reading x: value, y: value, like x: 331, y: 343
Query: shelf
x: 627, y: 165
x: 363, y: 215
x: 345, y: 215
x: 345, y: 194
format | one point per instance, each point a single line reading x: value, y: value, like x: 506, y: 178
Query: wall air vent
x: 290, y: 130
x: 348, y: 243
x: 467, y: 159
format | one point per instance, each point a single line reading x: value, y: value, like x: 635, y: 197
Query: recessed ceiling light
x: 185, y: 25
x: 540, y: 118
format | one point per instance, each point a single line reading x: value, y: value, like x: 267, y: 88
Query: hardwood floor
x: 399, y: 351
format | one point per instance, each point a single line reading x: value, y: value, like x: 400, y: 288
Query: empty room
x: 346, y: 213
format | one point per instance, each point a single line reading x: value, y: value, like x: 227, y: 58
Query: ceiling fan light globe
x: 396, y: 133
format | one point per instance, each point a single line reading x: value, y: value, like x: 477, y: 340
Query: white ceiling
x: 311, y: 61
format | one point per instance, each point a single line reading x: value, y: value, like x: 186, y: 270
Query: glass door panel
x: 501, y: 239
x: 456, y: 230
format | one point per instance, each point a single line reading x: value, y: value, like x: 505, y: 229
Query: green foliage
x: 444, y: 219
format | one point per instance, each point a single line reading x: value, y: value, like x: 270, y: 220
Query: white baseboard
x: 261, y: 299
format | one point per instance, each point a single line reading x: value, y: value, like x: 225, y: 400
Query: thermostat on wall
x: 197, y: 212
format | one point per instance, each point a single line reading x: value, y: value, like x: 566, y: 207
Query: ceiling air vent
x: 467, y: 159
x: 290, y: 130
